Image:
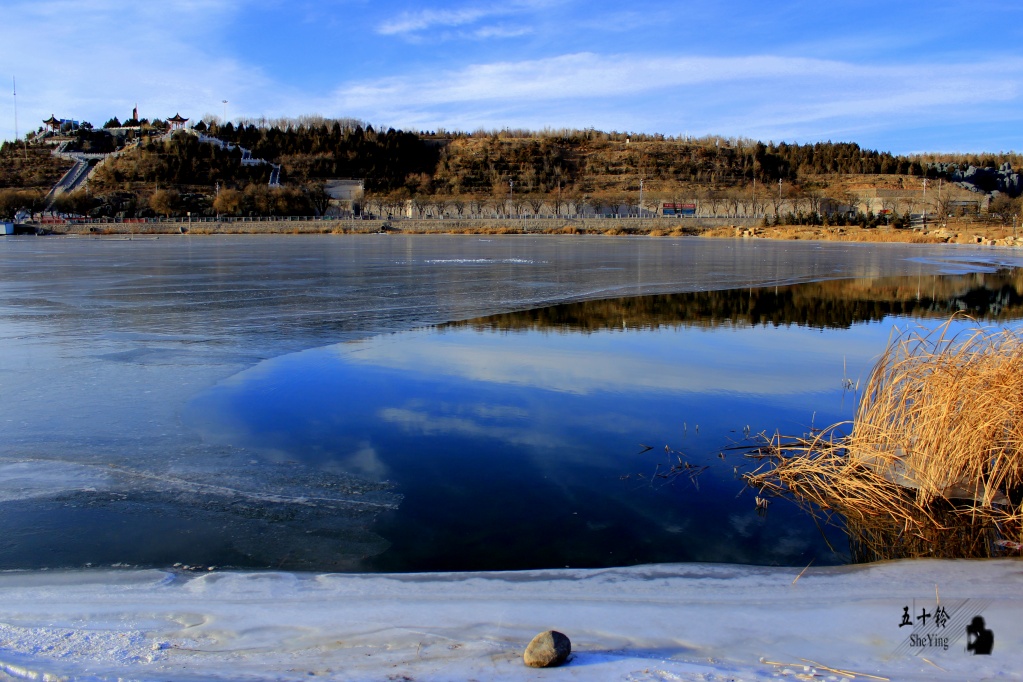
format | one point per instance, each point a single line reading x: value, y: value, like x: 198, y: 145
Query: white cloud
x: 486, y: 32
x: 98, y: 58
x: 366, y: 461
x: 410, y: 23
x: 432, y: 423
x: 91, y: 59
x: 729, y: 95
x: 593, y: 75
x: 608, y: 361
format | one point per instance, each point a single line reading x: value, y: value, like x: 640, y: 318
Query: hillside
x: 511, y: 173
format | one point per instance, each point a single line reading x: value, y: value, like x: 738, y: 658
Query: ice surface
x: 657, y: 622
x: 25, y: 480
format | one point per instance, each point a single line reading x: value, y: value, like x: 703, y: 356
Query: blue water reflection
x: 523, y: 449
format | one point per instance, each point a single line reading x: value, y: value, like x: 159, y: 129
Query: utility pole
x: 641, y: 197
x: 925, y: 203
x: 14, y: 83
x: 754, y: 192
x: 511, y: 195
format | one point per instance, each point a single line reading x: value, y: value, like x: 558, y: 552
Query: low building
x: 346, y: 194
x: 676, y: 209
x: 345, y: 189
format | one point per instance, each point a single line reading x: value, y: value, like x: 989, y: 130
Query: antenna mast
x: 14, y: 83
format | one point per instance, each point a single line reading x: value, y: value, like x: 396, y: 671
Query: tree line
x: 503, y: 172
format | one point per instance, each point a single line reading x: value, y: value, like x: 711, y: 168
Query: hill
x: 230, y: 170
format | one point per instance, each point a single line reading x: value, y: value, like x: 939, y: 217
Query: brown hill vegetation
x: 498, y: 173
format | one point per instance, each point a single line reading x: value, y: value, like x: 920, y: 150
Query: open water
x: 436, y: 402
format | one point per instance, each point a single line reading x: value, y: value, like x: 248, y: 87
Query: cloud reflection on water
x: 753, y: 361
x: 493, y: 429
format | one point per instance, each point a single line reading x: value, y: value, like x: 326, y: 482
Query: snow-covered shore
x: 660, y: 622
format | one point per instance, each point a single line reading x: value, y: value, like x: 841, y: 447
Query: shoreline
x: 964, y: 233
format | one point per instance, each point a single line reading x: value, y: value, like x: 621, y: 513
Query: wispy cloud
x: 165, y: 57
x: 432, y: 423
x: 586, y: 366
x: 735, y: 94
x: 411, y: 23
x: 272, y: 58
x: 594, y: 75
x: 497, y: 31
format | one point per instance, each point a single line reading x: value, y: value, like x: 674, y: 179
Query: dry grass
x: 843, y: 234
x: 933, y: 465
x: 958, y: 232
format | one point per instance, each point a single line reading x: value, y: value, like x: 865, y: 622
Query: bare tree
x: 744, y: 196
x: 398, y: 201
x: 731, y: 197
x: 369, y: 200
x: 814, y: 195
x: 535, y: 201
x: 459, y: 202
x: 518, y: 203
x: 556, y: 200
x: 757, y: 199
x: 798, y: 198
x: 439, y: 205
x: 777, y: 200
x: 615, y: 202
x: 478, y: 204
x: 573, y: 200
x: 318, y: 198
x: 1003, y: 207
x: 715, y: 198
x: 947, y: 205
x: 420, y: 203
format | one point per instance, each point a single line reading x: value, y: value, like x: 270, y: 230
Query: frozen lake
x: 346, y: 403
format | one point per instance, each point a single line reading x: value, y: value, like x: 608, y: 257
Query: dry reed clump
x: 933, y: 465
x: 887, y: 236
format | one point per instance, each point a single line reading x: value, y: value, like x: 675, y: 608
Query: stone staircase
x: 247, y: 158
x: 79, y: 173
x: 70, y: 181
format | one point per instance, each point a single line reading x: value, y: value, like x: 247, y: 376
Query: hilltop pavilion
x: 177, y: 123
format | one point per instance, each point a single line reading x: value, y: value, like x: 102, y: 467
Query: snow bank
x: 661, y: 622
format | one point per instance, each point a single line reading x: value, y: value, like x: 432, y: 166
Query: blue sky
x: 902, y: 76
